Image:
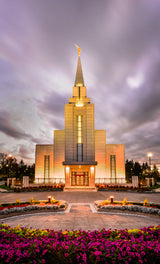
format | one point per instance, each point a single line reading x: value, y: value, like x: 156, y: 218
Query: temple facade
x: 79, y: 155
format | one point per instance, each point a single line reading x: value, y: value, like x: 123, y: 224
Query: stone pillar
x: 148, y: 181
x: 153, y: 181
x: 9, y: 181
x: 13, y: 182
x: 25, y: 181
x: 92, y: 177
x: 135, y: 181
x: 67, y: 177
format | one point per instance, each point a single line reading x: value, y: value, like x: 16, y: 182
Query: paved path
x: 3, y: 190
x: 82, y: 216
x: 80, y: 197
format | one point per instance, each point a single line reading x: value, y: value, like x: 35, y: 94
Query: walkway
x: 80, y: 197
x: 82, y: 216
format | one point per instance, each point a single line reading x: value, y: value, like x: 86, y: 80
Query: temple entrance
x: 79, y: 178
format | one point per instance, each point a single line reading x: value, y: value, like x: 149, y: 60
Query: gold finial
x: 79, y: 49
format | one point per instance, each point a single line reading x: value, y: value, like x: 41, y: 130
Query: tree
x: 155, y: 174
x: 10, y: 167
x: 3, y: 158
x: 3, y: 164
x: 137, y: 170
x: 129, y: 170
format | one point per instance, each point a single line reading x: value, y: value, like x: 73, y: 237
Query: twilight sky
x: 120, y: 55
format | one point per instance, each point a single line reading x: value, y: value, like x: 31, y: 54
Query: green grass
x: 155, y: 187
x: 5, y: 187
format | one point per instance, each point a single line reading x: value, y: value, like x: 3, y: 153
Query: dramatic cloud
x: 24, y: 152
x: 53, y: 103
x: 7, y: 128
x: 120, y: 43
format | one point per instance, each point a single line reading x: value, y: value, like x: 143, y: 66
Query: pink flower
x: 112, y: 249
x: 66, y: 255
x: 84, y: 257
x: 44, y: 252
x: 97, y: 253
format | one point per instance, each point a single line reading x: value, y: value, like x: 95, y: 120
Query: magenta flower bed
x: 22, y: 245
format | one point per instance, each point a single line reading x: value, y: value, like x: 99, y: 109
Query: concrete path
x: 82, y: 216
x: 3, y: 190
x: 80, y: 197
x: 80, y: 213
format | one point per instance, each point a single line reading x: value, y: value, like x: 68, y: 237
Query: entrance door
x: 79, y: 178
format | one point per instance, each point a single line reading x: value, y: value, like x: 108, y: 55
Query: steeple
x: 79, y: 90
x: 79, y: 74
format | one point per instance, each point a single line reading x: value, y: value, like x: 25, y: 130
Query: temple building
x: 79, y: 155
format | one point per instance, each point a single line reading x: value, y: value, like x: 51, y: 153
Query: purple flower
x: 97, y: 253
x: 84, y: 257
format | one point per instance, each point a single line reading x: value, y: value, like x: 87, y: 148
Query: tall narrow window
x: 79, y: 128
x: 113, y: 166
x: 46, y: 166
x: 79, y: 139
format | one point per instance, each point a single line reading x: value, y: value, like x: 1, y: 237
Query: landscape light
x: 49, y: 198
x: 111, y: 197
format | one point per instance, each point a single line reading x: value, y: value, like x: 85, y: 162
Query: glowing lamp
x: 79, y: 104
x: 111, y: 197
x: 67, y: 169
x: 92, y: 169
x: 49, y: 198
x: 150, y: 156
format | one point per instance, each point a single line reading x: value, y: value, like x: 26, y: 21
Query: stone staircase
x: 80, y: 189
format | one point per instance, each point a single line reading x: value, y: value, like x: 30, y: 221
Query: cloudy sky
x: 120, y: 55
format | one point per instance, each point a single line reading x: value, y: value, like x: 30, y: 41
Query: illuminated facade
x: 80, y: 155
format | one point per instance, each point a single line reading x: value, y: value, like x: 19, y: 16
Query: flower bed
x: 40, y: 188
x: 23, y: 245
x: 6, y: 209
x: 129, y: 206
x: 110, y: 187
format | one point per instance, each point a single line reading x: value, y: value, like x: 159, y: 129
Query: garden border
x: 107, y: 209
x: 133, y: 209
x: 35, y: 208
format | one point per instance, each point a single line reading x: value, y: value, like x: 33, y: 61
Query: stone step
x: 80, y: 188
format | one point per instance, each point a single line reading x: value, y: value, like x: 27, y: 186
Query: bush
x: 125, y: 201
x: 53, y: 187
x: 32, y: 201
x: 17, y: 201
x: 116, y: 187
x: 145, y: 203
